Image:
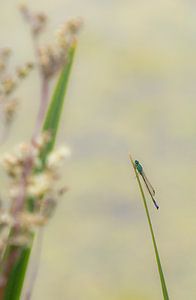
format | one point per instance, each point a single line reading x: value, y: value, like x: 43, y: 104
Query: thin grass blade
x: 161, y: 275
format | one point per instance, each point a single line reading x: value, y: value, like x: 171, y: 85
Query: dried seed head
x: 24, y: 10
x: 13, y: 163
x: 10, y: 110
x: 4, y: 56
x: 8, y: 85
x: 42, y: 140
x: 23, y: 151
x: 29, y: 220
x: 49, y: 60
x: 37, y: 21
x: 69, y: 29
x: 8, y: 161
x: 74, y: 25
x: 53, y: 57
x: 5, y: 52
x: 23, y: 72
x: 39, y: 185
x: 56, y: 157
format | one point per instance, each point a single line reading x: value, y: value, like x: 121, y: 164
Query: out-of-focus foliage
x: 133, y: 90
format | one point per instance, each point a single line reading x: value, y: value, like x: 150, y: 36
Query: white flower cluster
x: 29, y: 180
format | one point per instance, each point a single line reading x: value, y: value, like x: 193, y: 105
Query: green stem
x: 20, y: 267
x: 162, y: 279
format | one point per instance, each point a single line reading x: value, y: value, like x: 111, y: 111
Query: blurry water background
x: 133, y: 88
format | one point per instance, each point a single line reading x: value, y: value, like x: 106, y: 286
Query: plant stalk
x: 161, y: 275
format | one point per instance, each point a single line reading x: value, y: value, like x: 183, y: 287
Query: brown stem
x: 42, y: 107
x: 13, y: 253
x: 19, y: 201
x: 44, y: 90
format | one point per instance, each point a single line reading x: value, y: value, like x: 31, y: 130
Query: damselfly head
x: 136, y: 162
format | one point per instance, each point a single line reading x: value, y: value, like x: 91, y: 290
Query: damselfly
x: 149, y: 187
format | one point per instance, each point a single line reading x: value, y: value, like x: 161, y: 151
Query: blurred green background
x: 133, y: 88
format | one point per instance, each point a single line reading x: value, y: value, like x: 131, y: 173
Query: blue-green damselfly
x: 148, y: 185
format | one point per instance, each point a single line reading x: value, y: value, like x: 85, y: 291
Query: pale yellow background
x: 133, y: 88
